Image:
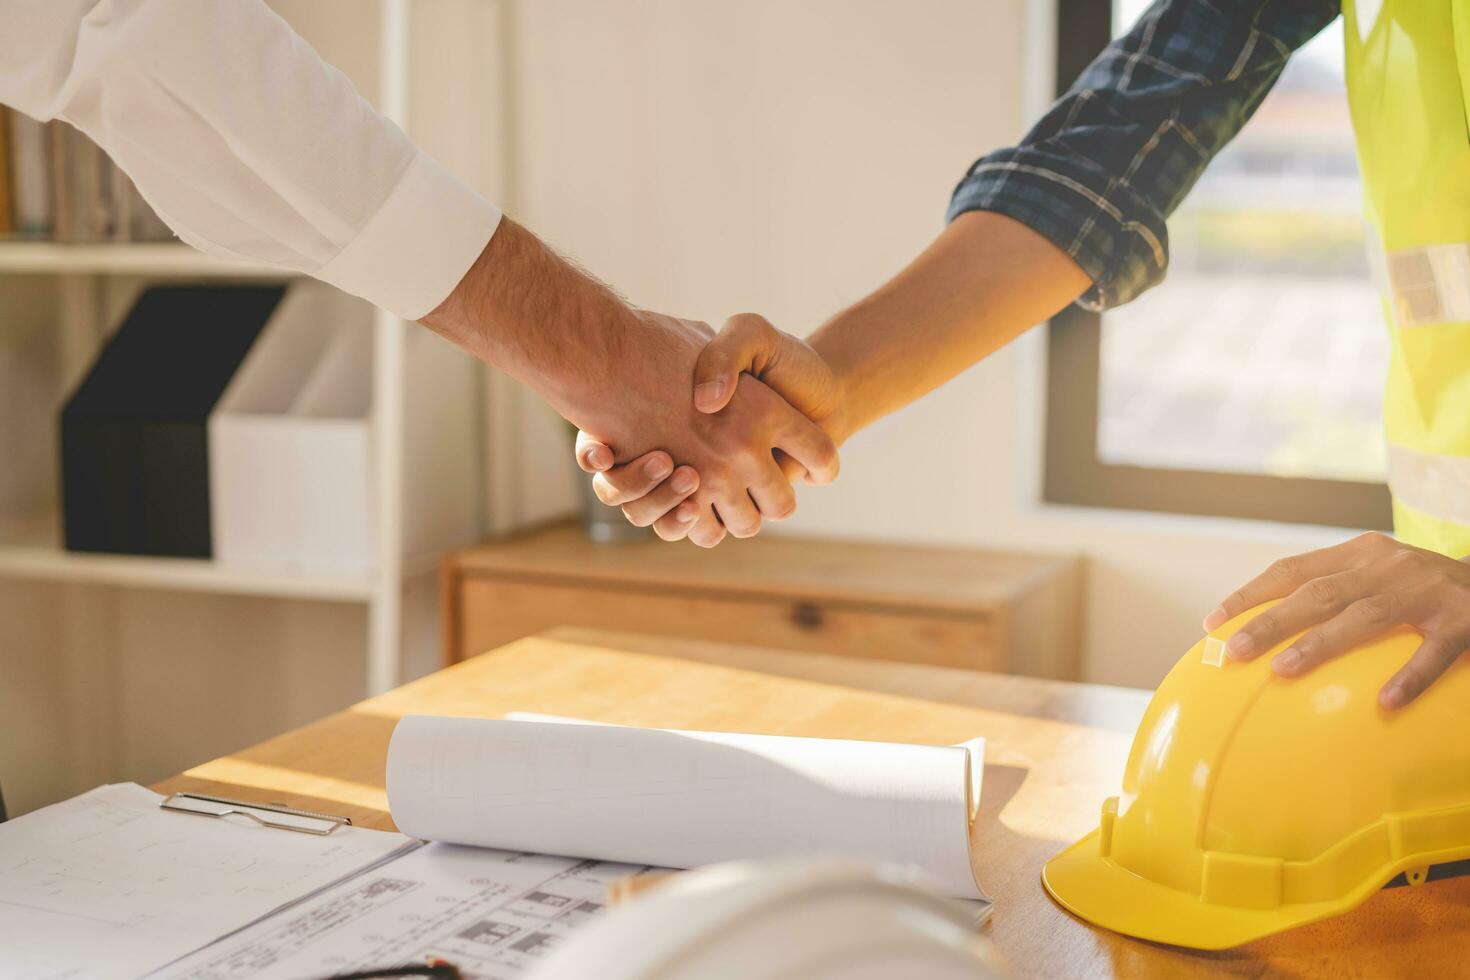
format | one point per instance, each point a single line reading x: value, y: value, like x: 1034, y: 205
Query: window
x: 1249, y: 383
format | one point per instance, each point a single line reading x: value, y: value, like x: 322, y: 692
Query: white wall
x: 708, y: 158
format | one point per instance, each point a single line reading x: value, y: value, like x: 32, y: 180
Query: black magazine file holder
x: 134, y: 435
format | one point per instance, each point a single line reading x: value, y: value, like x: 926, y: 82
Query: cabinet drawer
x: 493, y: 612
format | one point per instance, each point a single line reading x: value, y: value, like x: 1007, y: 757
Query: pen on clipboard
x: 435, y: 968
x: 626, y: 889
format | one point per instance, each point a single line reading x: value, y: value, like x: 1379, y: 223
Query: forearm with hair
x: 981, y: 284
x: 534, y: 315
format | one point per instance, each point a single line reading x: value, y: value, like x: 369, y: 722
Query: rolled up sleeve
x: 1103, y: 169
x: 418, y: 245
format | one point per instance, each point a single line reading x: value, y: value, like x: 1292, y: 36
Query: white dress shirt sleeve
x: 246, y: 142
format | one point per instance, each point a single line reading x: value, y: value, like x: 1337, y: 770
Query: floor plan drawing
x: 494, y: 914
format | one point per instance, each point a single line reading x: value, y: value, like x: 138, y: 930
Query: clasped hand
x: 748, y: 442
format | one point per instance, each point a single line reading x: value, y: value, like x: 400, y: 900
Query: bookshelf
x: 30, y: 550
x: 164, y: 259
x: 425, y: 496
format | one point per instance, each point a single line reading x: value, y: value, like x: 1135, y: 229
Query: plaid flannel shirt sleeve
x: 1112, y: 159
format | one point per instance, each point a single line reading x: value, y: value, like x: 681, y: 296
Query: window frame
x: 1072, y: 471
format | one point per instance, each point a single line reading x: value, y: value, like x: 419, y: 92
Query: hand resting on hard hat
x: 1352, y: 593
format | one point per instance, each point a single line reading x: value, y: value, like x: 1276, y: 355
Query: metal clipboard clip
x: 272, y: 815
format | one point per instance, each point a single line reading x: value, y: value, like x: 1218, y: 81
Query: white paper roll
x: 682, y: 799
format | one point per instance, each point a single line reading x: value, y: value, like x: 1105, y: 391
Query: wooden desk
x: 1054, y: 751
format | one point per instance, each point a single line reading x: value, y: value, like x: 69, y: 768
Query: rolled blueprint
x: 682, y: 799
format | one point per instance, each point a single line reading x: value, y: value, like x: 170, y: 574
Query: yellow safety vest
x: 1408, y: 81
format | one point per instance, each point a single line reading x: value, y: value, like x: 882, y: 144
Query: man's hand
x: 624, y: 376
x: 1351, y: 593
x: 748, y: 345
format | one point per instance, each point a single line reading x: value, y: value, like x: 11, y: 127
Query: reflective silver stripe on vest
x: 1436, y: 485
x: 1428, y: 285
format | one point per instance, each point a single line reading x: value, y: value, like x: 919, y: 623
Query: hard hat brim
x: 1098, y: 891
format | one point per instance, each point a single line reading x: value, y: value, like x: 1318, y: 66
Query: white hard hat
x: 782, y: 920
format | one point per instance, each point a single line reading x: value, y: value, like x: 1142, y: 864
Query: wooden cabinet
x: 982, y: 610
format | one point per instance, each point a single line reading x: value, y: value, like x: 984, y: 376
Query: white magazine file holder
x: 290, y: 442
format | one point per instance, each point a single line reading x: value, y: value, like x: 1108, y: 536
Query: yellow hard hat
x: 1252, y: 803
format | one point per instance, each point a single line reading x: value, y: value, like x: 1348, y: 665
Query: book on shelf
x: 6, y: 218
x: 29, y: 182
x: 62, y: 187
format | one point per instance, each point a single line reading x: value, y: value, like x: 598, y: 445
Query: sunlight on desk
x: 242, y: 772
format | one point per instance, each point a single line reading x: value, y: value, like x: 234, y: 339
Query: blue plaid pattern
x: 1112, y: 159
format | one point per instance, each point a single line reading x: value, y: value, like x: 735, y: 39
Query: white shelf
x: 34, y: 552
x: 124, y: 259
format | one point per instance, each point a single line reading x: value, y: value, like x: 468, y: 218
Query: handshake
x: 701, y: 435
x: 751, y: 411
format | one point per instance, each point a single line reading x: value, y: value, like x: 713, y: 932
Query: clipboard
x: 276, y: 816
